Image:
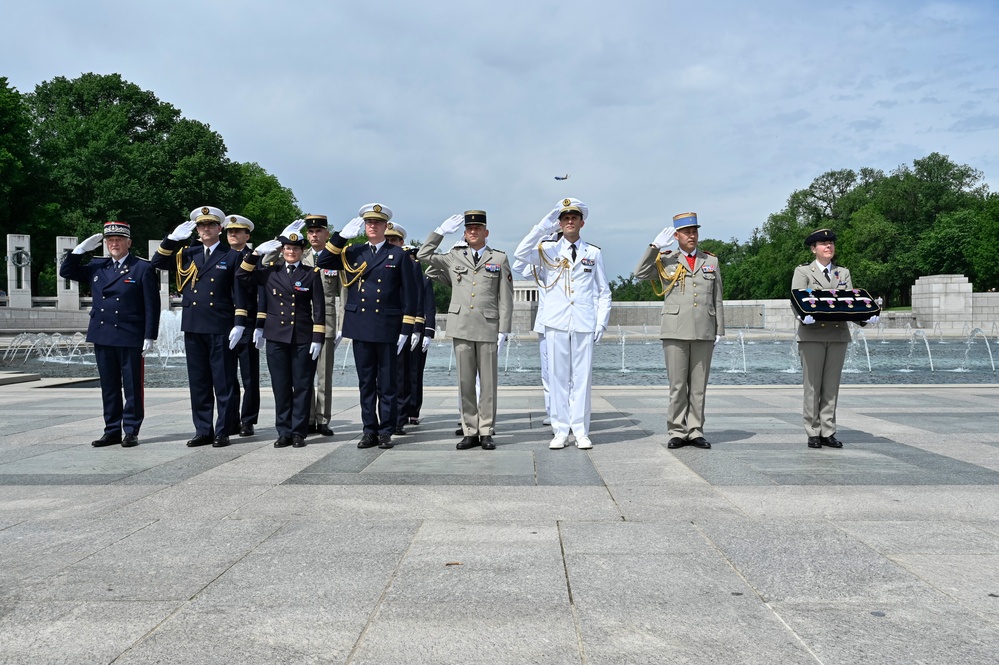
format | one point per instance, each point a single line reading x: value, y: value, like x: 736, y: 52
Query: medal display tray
x: 834, y: 305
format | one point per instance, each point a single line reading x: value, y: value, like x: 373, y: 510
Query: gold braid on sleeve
x: 667, y: 282
x: 560, y: 265
x: 185, y: 275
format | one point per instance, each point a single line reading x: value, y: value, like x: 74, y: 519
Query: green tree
x: 263, y: 199
x: 16, y: 162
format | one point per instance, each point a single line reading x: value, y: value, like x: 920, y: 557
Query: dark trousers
x: 404, y: 385
x: 376, y: 378
x: 417, y: 364
x: 248, y: 360
x: 121, y: 371
x: 211, y: 371
x: 292, y: 372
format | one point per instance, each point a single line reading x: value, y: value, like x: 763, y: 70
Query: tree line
x: 76, y: 153
x: 934, y: 217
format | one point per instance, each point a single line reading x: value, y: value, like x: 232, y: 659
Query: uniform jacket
x: 692, y: 309
x: 295, y: 310
x: 381, y: 301
x: 481, y: 294
x: 250, y: 297
x: 429, y: 306
x: 331, y: 289
x: 212, y: 297
x: 126, y: 307
x: 577, y: 294
x: 810, y: 276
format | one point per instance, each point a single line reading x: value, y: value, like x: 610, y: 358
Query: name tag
x: 587, y: 269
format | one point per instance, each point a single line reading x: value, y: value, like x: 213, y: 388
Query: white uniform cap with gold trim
x: 237, y: 222
x: 375, y: 211
x: 207, y: 214
x: 574, y: 205
x: 397, y: 230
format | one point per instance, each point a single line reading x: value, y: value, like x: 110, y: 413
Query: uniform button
x: 211, y: 293
x: 473, y: 283
x: 117, y: 299
x: 212, y: 279
x: 379, y: 280
x: 211, y: 304
x: 194, y: 290
x: 378, y: 299
x: 362, y: 309
x: 471, y: 307
x: 473, y: 295
x: 194, y: 304
x: 378, y: 290
x: 695, y: 304
x: 102, y: 309
x: 376, y: 311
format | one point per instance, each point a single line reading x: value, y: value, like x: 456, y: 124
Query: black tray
x: 834, y: 305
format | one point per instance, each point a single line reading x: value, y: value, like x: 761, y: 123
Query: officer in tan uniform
x: 822, y: 344
x: 692, y: 323
x: 479, y: 318
x: 318, y: 234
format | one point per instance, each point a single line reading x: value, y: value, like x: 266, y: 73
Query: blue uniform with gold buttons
x: 125, y: 311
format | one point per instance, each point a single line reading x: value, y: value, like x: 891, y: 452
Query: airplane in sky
x: 562, y: 177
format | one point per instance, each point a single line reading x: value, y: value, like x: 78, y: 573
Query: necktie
x: 117, y: 266
x: 374, y: 250
x: 291, y: 268
x: 573, y: 247
x: 690, y: 261
x: 208, y: 253
x: 825, y: 271
x: 475, y: 258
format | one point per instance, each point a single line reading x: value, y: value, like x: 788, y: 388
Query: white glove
x: 337, y: 339
x: 314, y: 349
x: 450, y: 225
x: 258, y: 339
x: 873, y: 319
x: 267, y: 247
x: 89, y: 245
x: 234, y: 335
x: 352, y: 229
x: 184, y: 231
x: 295, y: 227
x: 399, y: 344
x: 599, y: 334
x: 147, y: 346
x: 717, y: 338
x: 414, y: 339
x: 808, y: 320
x: 500, y: 341
x: 550, y: 221
x: 665, y: 238
x: 426, y: 343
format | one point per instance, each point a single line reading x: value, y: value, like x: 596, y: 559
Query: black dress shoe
x: 385, y: 441
x: 700, y: 442
x: 200, y: 440
x: 283, y: 442
x: 412, y: 421
x: 324, y: 430
x: 814, y: 442
x: 368, y: 441
x: 130, y: 441
x: 487, y: 443
x: 459, y: 432
x: 220, y: 441
x: 298, y: 440
x: 313, y: 428
x: 107, y: 440
x: 468, y: 442
x: 398, y: 431
x: 676, y: 442
x: 831, y: 441
x: 246, y: 430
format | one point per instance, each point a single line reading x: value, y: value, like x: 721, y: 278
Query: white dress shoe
x: 547, y: 420
x: 583, y: 442
x: 558, y: 442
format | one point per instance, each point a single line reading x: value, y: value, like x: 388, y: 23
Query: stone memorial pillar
x: 164, y: 278
x: 18, y: 270
x: 67, y: 290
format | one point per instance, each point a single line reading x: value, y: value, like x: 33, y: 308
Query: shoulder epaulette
x: 551, y: 240
x: 142, y: 259
x: 498, y: 251
x: 704, y: 251
x: 592, y: 245
x: 665, y: 251
x: 804, y: 264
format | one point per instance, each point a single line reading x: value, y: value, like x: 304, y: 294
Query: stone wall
x: 942, y: 302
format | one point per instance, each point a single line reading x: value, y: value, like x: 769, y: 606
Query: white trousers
x: 543, y: 347
x: 570, y: 376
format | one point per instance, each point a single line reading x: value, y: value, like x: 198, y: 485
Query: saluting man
x: 822, y: 345
x: 479, y: 318
x: 318, y: 233
x: 420, y: 353
x: 237, y: 232
x: 576, y: 311
x: 396, y: 236
x: 124, y: 321
x: 379, y: 315
x: 294, y: 327
x: 206, y: 280
x: 693, y: 321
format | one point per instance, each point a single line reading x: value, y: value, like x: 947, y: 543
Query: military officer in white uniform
x: 822, y: 344
x: 693, y: 321
x: 479, y: 318
x: 575, y: 314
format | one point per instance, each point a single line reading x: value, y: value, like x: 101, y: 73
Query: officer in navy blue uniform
x: 419, y: 361
x: 206, y: 280
x: 379, y: 315
x: 124, y: 320
x: 294, y: 329
x: 237, y: 233
x: 395, y: 235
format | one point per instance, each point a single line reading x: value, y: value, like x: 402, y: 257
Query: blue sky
x: 653, y: 107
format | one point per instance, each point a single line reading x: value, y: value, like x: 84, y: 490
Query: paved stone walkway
x: 757, y: 551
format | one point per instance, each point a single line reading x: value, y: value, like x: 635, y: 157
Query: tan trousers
x: 821, y: 369
x: 478, y: 416
x: 688, y: 364
x: 322, y: 409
